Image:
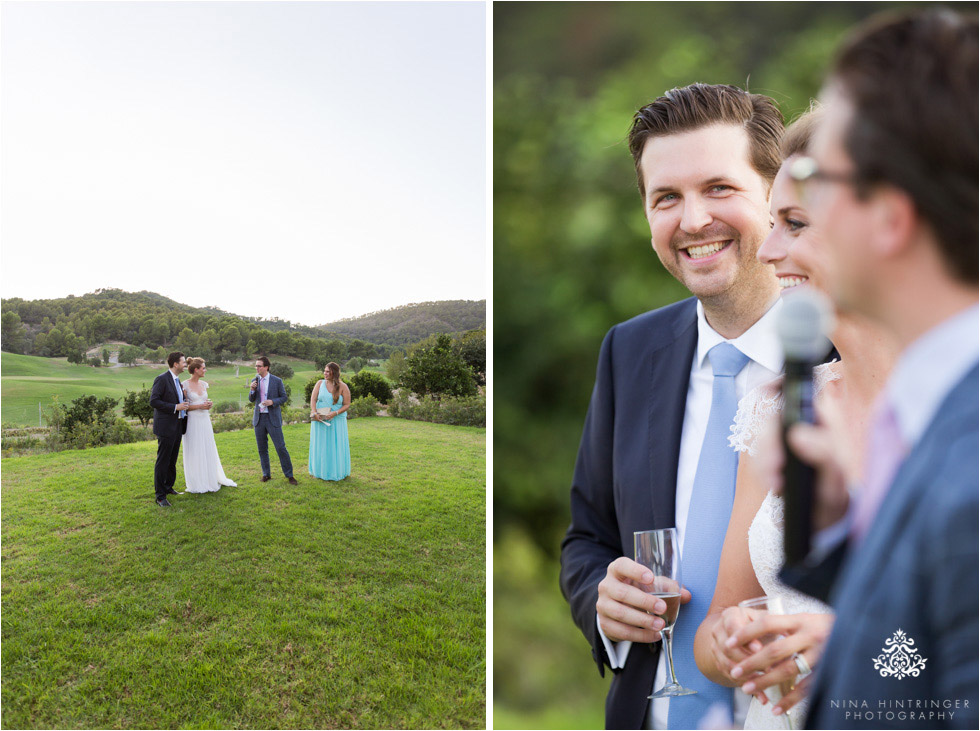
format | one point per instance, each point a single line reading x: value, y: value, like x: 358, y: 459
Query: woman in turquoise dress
x: 329, y: 447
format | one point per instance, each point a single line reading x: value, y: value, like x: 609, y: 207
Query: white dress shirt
x: 762, y: 346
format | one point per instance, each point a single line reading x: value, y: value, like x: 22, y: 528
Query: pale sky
x: 305, y: 160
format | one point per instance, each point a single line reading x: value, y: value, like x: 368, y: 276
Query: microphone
x: 802, y: 326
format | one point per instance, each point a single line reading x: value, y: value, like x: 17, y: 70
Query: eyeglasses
x: 805, y: 169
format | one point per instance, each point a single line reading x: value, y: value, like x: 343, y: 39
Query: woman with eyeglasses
x: 729, y: 646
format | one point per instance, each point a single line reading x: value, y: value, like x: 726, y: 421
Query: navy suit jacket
x: 277, y: 392
x: 163, y: 398
x: 626, y: 476
x: 915, y: 571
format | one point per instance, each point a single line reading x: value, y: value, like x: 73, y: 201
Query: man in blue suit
x: 893, y: 186
x: 705, y: 157
x: 268, y: 393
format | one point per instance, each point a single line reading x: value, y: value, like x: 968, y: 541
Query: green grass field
x: 358, y: 604
x: 26, y: 380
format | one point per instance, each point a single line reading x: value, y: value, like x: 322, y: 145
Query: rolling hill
x: 408, y: 324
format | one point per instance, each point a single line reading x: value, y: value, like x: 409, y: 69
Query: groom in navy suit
x: 169, y: 426
x: 705, y: 157
x: 893, y: 188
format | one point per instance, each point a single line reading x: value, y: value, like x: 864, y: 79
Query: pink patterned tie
x: 886, y: 451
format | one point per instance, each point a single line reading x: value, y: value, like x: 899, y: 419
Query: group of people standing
x: 181, y: 414
x: 871, y: 199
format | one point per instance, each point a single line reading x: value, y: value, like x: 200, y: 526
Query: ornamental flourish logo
x: 899, y: 658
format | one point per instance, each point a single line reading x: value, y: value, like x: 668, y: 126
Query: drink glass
x: 658, y: 551
x: 771, y: 605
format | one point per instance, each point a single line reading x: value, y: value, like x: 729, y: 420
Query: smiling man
x: 654, y: 451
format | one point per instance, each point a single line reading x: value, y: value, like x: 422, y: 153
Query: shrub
x: 363, y: 406
x: 465, y: 411
x: 395, y: 366
x: 436, y: 367
x: 95, y: 362
x: 226, y: 407
x: 355, y: 364
x: 231, y: 422
x: 283, y: 370
x: 367, y: 383
x: 136, y: 405
x: 310, y: 385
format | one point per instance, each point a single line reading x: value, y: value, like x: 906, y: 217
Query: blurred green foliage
x: 572, y: 257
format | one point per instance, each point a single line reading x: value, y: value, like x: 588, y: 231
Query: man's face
x: 180, y: 365
x: 261, y: 368
x: 708, y: 211
x: 836, y: 211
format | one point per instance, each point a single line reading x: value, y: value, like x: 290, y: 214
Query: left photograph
x: 243, y: 373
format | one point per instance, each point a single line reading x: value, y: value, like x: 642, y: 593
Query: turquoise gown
x: 329, y: 446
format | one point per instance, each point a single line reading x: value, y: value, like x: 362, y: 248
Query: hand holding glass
x: 658, y: 551
x: 770, y: 605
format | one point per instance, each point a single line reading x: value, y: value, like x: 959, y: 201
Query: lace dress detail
x: 759, y: 405
x: 755, y: 412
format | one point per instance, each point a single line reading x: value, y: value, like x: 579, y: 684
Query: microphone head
x: 804, y: 324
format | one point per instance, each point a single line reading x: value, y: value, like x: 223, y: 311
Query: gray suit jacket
x: 277, y: 392
x: 915, y: 572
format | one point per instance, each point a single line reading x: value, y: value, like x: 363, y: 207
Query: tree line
x: 148, y: 322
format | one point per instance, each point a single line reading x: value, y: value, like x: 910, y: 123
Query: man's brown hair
x: 912, y: 81
x: 263, y: 360
x: 174, y: 358
x: 701, y: 105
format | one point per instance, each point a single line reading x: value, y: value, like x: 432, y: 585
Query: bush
x: 136, y: 405
x: 363, y: 406
x: 283, y: 370
x: 95, y: 362
x: 310, y: 385
x: 367, y: 383
x: 396, y: 366
x: 231, y: 422
x: 355, y: 364
x: 226, y: 407
x: 436, y: 367
x: 465, y: 411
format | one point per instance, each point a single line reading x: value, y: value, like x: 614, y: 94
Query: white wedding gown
x: 755, y: 412
x: 202, y: 466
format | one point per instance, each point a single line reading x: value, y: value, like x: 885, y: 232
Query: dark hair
x: 912, y: 81
x: 263, y: 360
x: 193, y: 364
x: 796, y: 141
x: 174, y: 358
x: 701, y: 105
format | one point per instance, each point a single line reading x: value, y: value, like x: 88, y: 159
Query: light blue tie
x: 707, y: 522
x: 180, y: 395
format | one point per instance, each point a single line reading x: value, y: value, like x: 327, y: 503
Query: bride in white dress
x: 202, y: 466
x: 753, y: 550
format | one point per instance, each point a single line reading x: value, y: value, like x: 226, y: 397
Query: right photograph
x: 736, y: 340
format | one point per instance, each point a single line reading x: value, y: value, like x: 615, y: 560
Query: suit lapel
x: 670, y: 375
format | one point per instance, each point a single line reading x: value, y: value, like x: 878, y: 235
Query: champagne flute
x: 658, y: 551
x: 771, y: 605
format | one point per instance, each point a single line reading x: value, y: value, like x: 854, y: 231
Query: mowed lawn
x: 358, y: 604
x: 28, y: 380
